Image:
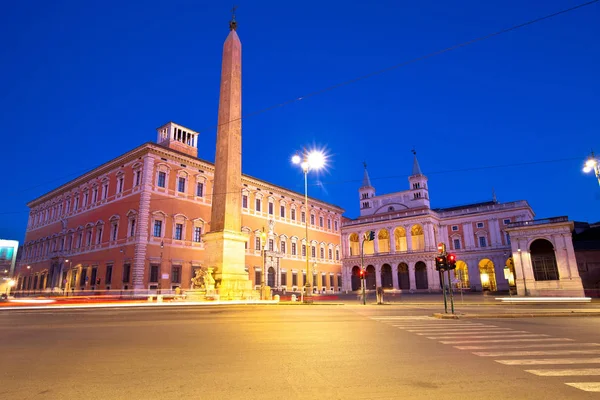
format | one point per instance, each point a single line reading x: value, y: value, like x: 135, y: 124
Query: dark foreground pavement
x: 293, y: 352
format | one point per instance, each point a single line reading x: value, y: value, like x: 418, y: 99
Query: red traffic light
x: 362, y: 273
x: 451, y: 258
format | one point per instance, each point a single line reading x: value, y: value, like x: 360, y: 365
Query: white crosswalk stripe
x: 497, y: 343
x: 533, y: 353
x: 551, y: 361
x: 565, y: 372
x: 586, y: 386
x: 501, y: 333
x: 476, y: 329
x: 502, y: 336
x: 506, y: 340
x: 526, y: 346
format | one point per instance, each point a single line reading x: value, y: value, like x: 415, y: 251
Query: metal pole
x: 362, y: 268
x: 451, y: 294
x: 444, y: 291
x: 306, y: 216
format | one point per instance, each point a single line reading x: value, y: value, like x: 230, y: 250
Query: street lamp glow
x: 587, y: 169
x: 11, y: 283
x: 296, y: 159
x: 590, y: 163
x: 316, y: 160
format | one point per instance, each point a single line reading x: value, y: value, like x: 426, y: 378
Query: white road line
x: 488, y: 332
x: 415, y: 326
x: 586, y: 386
x: 404, y: 318
x: 551, y: 361
x: 533, y: 353
x: 526, y: 346
x: 505, y: 335
x: 476, y: 329
x: 506, y: 340
x: 565, y: 372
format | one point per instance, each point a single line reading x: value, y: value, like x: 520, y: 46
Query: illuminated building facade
x: 137, y: 223
x: 407, y: 231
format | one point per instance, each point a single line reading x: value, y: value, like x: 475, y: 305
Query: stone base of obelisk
x: 226, y: 253
x: 202, y: 295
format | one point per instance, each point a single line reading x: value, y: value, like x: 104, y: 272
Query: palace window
x: 506, y: 221
x: 178, y: 231
x: 337, y: 255
x: 157, y: 228
x: 181, y: 184
x: 104, y: 191
x: 454, y: 228
x: 480, y: 224
x: 271, y: 243
x: 94, y: 195
x: 120, y: 181
x: 303, y: 217
x: 257, y: 243
x: 138, y: 178
x: 293, y: 214
x: 283, y: 247
x: 313, y: 251
x: 321, y: 222
x: 335, y: 225
x: 245, y: 201
x: 199, y: 189
x: 303, y: 250
x: 99, y: 235
x: 108, y: 276
x: 126, y: 272
x: 257, y: 205
x: 176, y: 274
x: 456, y: 244
x: 328, y: 223
x: 270, y: 208
x: 322, y: 253
x: 162, y: 179
x: 482, y: 241
x: 132, y: 227
x: 282, y: 211
x: 293, y: 248
x: 330, y: 254
x: 197, y: 234
x: 312, y: 219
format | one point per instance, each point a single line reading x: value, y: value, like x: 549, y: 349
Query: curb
x: 521, y: 315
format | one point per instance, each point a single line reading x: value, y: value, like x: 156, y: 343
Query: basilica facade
x: 408, y: 230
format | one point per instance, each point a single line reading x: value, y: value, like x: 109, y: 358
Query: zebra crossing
x: 506, y: 345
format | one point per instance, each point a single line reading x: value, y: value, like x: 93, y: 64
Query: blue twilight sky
x: 85, y: 81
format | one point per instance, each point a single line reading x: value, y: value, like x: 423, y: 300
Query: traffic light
x: 440, y: 262
x: 362, y: 274
x: 369, y: 236
x: 451, y: 261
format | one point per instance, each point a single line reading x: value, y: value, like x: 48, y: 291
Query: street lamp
x: 65, y: 279
x: 11, y: 283
x: 309, y: 160
x: 263, y: 241
x: 592, y: 164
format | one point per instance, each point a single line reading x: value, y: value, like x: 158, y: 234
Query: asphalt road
x: 293, y: 352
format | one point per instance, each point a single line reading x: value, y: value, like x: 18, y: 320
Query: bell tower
x: 366, y: 193
x: 419, y: 190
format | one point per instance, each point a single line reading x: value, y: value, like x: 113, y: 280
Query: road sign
x: 441, y: 247
x: 165, y: 276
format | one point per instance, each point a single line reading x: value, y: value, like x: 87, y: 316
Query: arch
x: 383, y: 239
x: 368, y: 246
x: 461, y: 272
x: 355, y: 278
x: 400, y: 238
x: 403, y: 278
x: 354, y: 244
x: 370, y: 278
x: 386, y: 276
x: 543, y: 260
x: 421, y: 275
x: 487, y: 274
x: 511, y: 268
x: 417, y: 237
x: 386, y: 208
x: 271, y: 277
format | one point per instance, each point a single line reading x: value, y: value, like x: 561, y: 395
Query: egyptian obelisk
x: 225, y: 243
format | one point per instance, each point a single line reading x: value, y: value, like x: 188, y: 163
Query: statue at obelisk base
x: 224, y: 245
x: 202, y: 286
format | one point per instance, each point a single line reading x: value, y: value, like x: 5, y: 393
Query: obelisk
x: 225, y: 243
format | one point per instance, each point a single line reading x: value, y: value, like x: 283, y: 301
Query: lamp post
x: 314, y: 160
x: 592, y: 164
x: 263, y: 242
x: 522, y: 270
x: 158, y: 290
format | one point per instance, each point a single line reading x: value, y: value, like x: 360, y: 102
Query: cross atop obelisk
x: 225, y: 243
